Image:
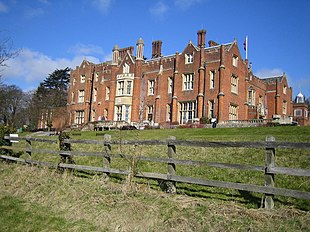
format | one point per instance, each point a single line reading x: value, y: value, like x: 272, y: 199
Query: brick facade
x: 200, y: 82
x: 301, y: 111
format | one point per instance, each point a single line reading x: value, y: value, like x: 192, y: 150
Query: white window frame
x: 151, y: 87
x: 107, y: 93
x: 187, y: 111
x: 233, y: 112
x: 72, y: 97
x: 235, y: 60
x: 81, y: 98
x: 73, y: 81
x: 261, y: 109
x: 284, y: 107
x: 119, y: 112
x: 120, y: 88
x: 284, y: 89
x: 126, y: 68
x: 79, y: 117
x: 170, y: 84
x: 83, y: 78
x: 212, y: 79
x: 211, y: 110
x: 251, y: 97
x: 150, y: 113
x: 189, y: 58
x: 169, y: 113
x: 95, y: 92
x: 234, y: 80
x: 188, y: 81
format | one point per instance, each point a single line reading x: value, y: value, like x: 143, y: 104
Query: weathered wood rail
x: 269, y: 169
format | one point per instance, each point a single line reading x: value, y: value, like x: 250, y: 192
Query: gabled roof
x: 86, y: 62
x: 132, y: 58
x: 227, y: 47
x: 271, y: 80
x: 190, y: 44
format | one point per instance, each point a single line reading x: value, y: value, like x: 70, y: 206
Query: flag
x: 245, y: 47
x: 245, y: 44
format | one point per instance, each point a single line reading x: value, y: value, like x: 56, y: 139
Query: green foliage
x: 52, y: 92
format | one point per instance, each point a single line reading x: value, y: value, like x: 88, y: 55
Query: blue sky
x: 56, y: 34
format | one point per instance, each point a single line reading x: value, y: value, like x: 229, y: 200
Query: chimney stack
x: 156, y: 48
x: 201, y: 38
x: 140, y: 49
x: 115, y: 55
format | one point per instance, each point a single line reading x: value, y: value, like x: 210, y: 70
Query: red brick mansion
x: 198, y: 84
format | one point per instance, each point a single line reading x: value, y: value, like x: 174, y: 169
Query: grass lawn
x: 68, y: 202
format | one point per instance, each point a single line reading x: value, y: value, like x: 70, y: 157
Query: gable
x: 85, y: 63
x: 126, y: 63
x: 190, y: 48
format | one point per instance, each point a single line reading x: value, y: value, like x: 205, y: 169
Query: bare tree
x: 6, y: 52
x: 11, y: 104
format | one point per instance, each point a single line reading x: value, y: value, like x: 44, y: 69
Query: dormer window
x: 126, y: 68
x: 189, y: 58
x: 235, y: 61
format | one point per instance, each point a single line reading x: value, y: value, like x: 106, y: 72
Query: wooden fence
x: 269, y: 169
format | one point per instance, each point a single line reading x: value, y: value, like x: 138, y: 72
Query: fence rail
x: 269, y: 169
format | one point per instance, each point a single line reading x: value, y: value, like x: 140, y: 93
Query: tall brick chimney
x: 201, y: 38
x: 156, y: 48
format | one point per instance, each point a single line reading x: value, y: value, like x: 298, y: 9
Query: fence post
x: 107, y: 153
x: 63, y: 146
x: 170, y: 186
x: 28, y: 147
x: 269, y: 177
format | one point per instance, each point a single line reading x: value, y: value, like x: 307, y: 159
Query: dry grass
x: 107, y: 207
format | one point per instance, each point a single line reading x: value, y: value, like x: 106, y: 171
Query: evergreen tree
x: 51, y: 93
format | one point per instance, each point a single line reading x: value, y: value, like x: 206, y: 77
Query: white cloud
x: 269, y: 72
x: 29, y: 68
x: 159, y: 9
x: 102, y: 5
x: 86, y: 49
x: 185, y: 4
x: 3, y: 8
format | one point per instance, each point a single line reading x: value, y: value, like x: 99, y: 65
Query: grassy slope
x: 71, y: 203
x: 34, y: 199
x: 293, y: 134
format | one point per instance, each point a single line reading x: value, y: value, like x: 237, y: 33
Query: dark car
x: 128, y: 127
